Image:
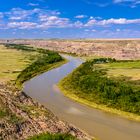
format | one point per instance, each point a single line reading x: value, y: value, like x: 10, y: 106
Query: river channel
x: 102, y: 125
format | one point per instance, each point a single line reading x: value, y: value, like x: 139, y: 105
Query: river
x: 102, y: 125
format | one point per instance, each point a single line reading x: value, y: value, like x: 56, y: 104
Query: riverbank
x: 79, y: 86
x: 104, y: 108
x: 22, y: 117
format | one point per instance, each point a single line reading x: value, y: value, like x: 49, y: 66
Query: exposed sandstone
x: 34, y: 118
x: 119, y: 49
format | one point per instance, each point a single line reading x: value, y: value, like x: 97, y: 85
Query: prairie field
x: 126, y: 69
x: 13, y: 61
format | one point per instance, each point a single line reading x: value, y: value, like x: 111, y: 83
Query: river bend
x: 104, y: 126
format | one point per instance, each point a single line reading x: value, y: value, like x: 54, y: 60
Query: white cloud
x: 48, y: 15
x: 54, y: 21
x: 34, y: 18
x: 130, y: 3
x: 119, y: 21
x: 47, y: 18
x: 123, y: 1
x: 16, y: 18
x: 78, y: 24
x: 33, y: 4
x: 93, y: 30
x: 41, y: 18
x: 1, y: 15
x: 118, y: 30
x: 91, y: 22
x: 21, y: 14
x: 101, y: 4
x: 81, y: 16
x: 22, y: 25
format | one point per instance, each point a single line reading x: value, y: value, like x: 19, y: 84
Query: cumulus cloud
x: 35, y: 18
x: 22, y: 25
x: 120, y: 21
x: 91, y: 22
x: 118, y: 30
x: 54, y: 21
x: 123, y: 1
x: 81, y: 16
x: 130, y: 3
x: 33, y: 4
x: 51, y: 19
x: 21, y: 14
x: 101, y: 4
x: 78, y: 24
x: 1, y: 15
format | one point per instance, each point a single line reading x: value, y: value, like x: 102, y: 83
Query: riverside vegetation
x: 20, y: 116
x: 46, y: 60
x: 99, y: 82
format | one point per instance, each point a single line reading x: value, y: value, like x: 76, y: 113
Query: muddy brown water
x: 102, y: 125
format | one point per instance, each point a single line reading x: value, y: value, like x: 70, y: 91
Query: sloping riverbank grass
x: 44, y: 61
x: 130, y: 69
x: 92, y: 85
x: 13, y: 61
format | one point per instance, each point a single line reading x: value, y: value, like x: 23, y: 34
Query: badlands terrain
x: 115, y: 48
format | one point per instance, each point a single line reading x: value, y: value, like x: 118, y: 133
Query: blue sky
x: 70, y: 19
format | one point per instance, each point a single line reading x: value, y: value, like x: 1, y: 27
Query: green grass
x: 52, y: 137
x: 13, y: 61
x: 6, y: 114
x: 34, y: 111
x: 90, y: 84
x: 3, y: 113
x: 44, y: 63
x: 126, y: 69
x: 123, y: 64
x: 20, y: 63
x: 13, y: 118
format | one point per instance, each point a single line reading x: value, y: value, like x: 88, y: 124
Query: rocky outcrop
x: 25, y: 117
x: 119, y: 49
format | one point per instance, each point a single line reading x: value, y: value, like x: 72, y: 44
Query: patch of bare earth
x: 25, y: 117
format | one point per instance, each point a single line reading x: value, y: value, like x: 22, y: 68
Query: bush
x: 93, y: 85
x: 43, y: 63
